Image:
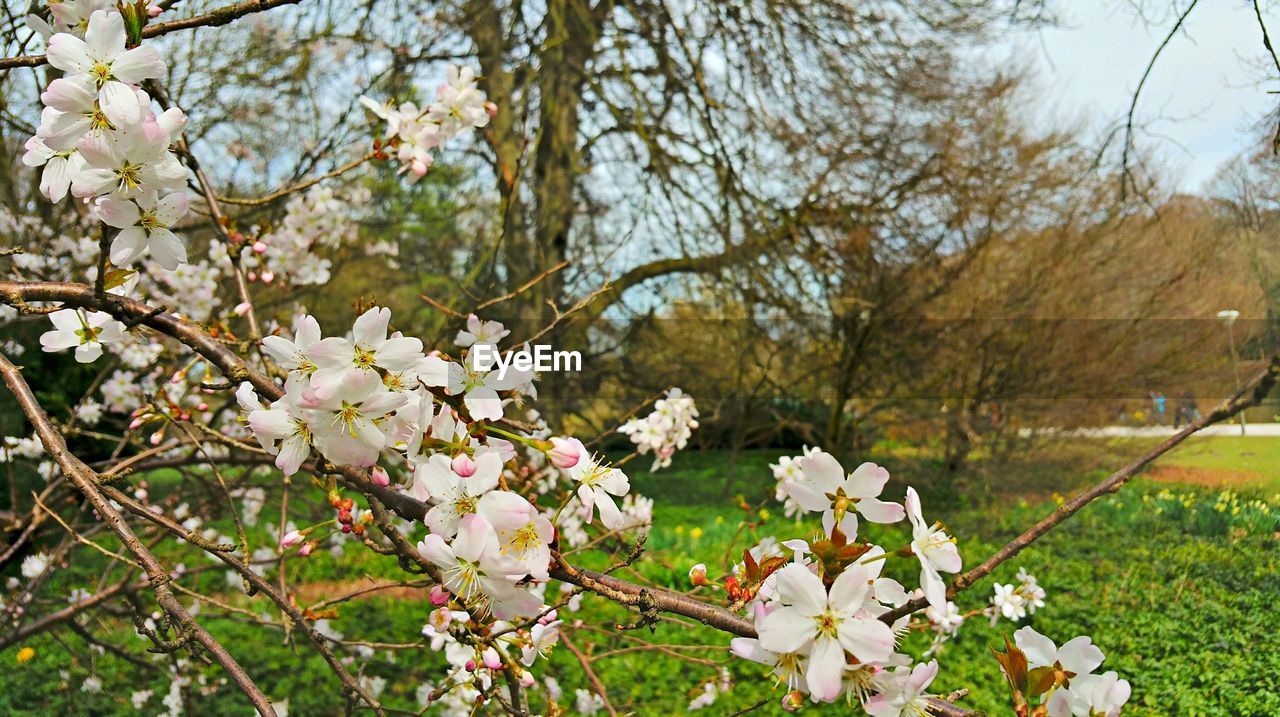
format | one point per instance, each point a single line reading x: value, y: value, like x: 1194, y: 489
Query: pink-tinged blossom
x: 479, y: 388
x: 472, y: 566
x: 481, y: 332
x: 128, y: 163
x: 903, y: 692
x: 368, y: 349
x: 344, y: 425
x: 566, y: 452
x: 936, y: 551
x: 453, y: 496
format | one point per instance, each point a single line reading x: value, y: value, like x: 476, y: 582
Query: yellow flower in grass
x: 695, y: 533
x: 679, y: 530
x: 25, y: 655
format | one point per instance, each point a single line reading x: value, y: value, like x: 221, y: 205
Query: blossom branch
x: 158, y: 576
x: 221, y: 16
x: 1251, y: 394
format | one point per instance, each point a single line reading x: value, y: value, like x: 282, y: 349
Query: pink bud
x: 293, y: 537
x: 464, y: 466
x: 439, y: 596
x: 491, y: 658
x: 242, y: 308
x: 470, y: 666
x: 268, y: 277
x: 306, y: 549
x: 793, y: 701
x: 259, y: 247
x: 379, y: 476
x: 156, y: 438
x: 135, y: 424
x: 252, y: 275
x: 565, y: 452
x: 202, y: 406
x: 526, y: 679
x: 491, y: 109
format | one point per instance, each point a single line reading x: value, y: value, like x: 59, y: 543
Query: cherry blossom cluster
x: 322, y: 218
x: 1062, y: 679
x: 100, y: 140
x: 375, y: 399
x: 414, y: 133
x: 665, y: 430
x: 817, y: 605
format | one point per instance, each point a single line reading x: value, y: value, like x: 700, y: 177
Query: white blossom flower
x: 936, y: 551
x: 1090, y: 696
x: 59, y: 167
x: 87, y: 332
x: 903, y: 693
x: 144, y: 223
x: 826, y: 625
x: 100, y: 61
x: 597, y: 483
x: 824, y: 486
x: 128, y: 163
x: 1009, y: 602
x: 1078, y: 656
x: 472, y: 565
x: 35, y: 564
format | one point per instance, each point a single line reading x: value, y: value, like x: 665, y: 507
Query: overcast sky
x: 1204, y: 82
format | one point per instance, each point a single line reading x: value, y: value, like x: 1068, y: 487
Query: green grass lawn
x: 1178, y: 593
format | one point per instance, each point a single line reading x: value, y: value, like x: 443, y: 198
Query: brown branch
x: 215, y: 18
x: 1250, y: 395
x: 286, y: 191
x: 591, y: 674
x: 262, y: 586
x: 158, y: 576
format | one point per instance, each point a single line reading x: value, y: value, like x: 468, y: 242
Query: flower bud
x: 470, y: 666
x: 259, y: 247
x: 491, y: 658
x: 491, y: 109
x: 293, y: 537
x: 439, y: 596
x: 242, y: 308
x: 379, y: 476
x: 268, y: 277
x: 306, y: 548
x: 698, y: 574
x: 527, y: 680
x: 464, y: 466
x: 565, y: 452
x: 792, y: 701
